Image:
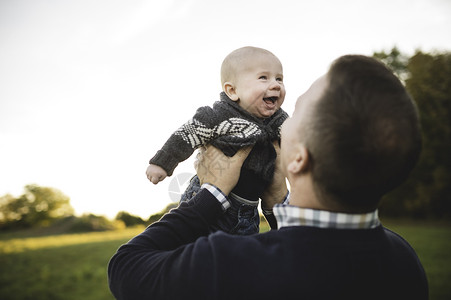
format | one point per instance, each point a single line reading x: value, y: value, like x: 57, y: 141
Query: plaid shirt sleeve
x: 215, y: 191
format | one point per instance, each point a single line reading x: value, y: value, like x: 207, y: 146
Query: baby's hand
x: 155, y: 173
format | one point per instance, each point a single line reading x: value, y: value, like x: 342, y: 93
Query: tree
x: 91, y: 222
x: 128, y: 219
x: 396, y: 61
x: 427, y: 192
x: 37, y: 206
x: 430, y: 86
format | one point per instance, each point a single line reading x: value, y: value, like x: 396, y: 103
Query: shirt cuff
x: 215, y: 191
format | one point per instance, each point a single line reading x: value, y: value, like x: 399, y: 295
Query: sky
x: 90, y: 90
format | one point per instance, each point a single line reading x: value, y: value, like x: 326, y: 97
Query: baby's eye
x: 279, y: 79
x: 263, y: 77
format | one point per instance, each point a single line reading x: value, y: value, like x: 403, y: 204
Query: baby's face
x: 259, y: 85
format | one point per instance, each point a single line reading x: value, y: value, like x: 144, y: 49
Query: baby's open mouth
x: 270, y: 99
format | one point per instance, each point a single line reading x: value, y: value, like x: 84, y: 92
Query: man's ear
x: 229, y: 89
x: 300, y: 161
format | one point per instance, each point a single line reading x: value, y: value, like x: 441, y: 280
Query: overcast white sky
x: 91, y: 89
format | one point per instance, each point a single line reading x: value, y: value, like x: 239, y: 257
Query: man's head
x: 356, y: 132
x: 253, y: 77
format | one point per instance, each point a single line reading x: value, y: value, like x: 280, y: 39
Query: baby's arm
x: 155, y: 173
x: 195, y: 133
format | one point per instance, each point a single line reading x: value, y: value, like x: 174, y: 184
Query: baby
x: 248, y: 114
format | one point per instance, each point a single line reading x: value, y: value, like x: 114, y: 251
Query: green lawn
x: 74, y: 266
x: 68, y: 267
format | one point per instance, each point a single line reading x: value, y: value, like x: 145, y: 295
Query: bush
x: 90, y: 222
x: 128, y: 219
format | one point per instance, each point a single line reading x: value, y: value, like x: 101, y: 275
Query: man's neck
x: 302, y: 193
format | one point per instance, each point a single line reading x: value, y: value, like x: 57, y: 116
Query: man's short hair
x: 364, y: 136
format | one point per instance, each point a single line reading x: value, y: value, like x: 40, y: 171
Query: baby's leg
x: 192, y: 189
x: 241, y: 218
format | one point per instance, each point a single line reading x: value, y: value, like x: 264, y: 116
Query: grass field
x: 68, y: 267
x: 74, y: 266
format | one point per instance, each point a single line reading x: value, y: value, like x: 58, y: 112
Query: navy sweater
x: 175, y: 258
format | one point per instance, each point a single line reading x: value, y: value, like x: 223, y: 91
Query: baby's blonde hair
x: 232, y: 62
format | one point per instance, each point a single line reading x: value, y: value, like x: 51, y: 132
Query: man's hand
x: 155, y: 173
x: 214, y: 167
x: 277, y: 190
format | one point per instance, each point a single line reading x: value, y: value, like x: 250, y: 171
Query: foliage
x: 430, y: 85
x: 38, y: 206
x: 91, y: 222
x: 396, y: 61
x: 427, y: 192
x: 128, y: 219
x: 50, y: 210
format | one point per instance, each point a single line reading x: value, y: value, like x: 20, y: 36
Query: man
x: 354, y: 136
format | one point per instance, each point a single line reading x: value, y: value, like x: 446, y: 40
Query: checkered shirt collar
x: 288, y: 215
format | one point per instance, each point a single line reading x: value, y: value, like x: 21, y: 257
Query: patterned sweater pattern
x: 228, y: 127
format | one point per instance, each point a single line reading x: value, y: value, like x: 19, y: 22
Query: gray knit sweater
x: 228, y: 127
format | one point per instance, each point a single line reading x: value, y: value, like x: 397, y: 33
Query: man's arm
x: 151, y: 262
x: 147, y: 265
